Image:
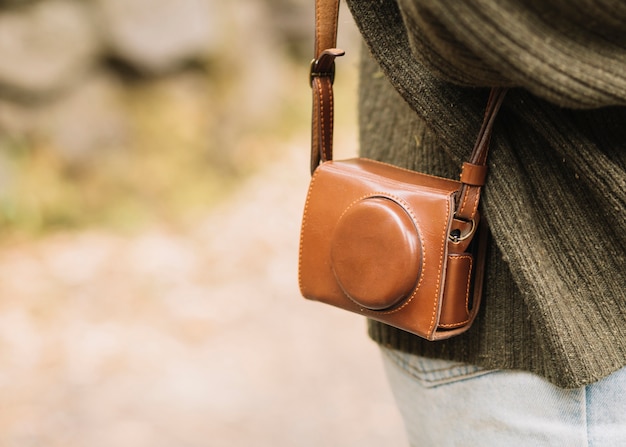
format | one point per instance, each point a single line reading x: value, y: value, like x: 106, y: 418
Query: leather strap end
x: 473, y: 175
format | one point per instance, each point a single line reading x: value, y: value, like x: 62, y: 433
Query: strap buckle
x: 324, y: 66
x: 456, y: 235
x: 313, y: 73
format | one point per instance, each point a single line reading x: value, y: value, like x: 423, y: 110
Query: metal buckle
x: 331, y: 54
x: 313, y: 73
x: 455, y: 236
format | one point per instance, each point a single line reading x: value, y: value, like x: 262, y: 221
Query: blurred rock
x: 88, y: 118
x: 63, y: 64
x: 256, y: 63
x: 15, y: 119
x: 156, y: 37
x: 14, y: 3
x: 293, y: 20
x: 45, y: 47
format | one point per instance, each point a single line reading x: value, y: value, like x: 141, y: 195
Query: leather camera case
x: 383, y: 242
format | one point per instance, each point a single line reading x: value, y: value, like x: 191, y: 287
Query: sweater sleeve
x: 569, y: 52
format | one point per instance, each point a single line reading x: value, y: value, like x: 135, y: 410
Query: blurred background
x: 153, y: 169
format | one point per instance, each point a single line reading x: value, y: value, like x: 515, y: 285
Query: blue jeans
x: 446, y: 403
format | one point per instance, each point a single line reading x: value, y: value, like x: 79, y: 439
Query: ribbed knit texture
x: 555, y: 298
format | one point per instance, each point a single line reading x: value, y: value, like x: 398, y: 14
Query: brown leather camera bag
x: 395, y: 245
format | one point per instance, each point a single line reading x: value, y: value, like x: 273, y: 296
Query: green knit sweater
x: 555, y: 297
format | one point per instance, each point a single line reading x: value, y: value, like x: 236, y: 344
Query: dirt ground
x: 195, y: 338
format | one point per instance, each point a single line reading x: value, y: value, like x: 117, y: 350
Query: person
x: 544, y: 362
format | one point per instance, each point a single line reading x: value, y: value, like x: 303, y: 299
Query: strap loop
x: 473, y: 175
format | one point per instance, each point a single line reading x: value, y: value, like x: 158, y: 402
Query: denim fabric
x: 447, y: 403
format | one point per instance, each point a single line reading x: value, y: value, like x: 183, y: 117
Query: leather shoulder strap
x: 474, y: 172
x: 326, y: 16
x: 321, y: 78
